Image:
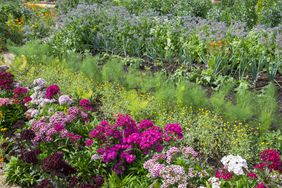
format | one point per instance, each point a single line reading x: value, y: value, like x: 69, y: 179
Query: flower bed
x: 56, y: 144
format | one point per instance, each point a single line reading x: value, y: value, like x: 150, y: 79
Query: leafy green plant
x: 18, y: 172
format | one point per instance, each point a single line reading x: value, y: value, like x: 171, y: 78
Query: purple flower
x: 55, y: 163
x: 45, y: 184
x: 20, y: 92
x: 98, y: 180
x: 151, y: 137
x: 72, y: 114
x: 128, y: 157
x: 89, y: 142
x: 27, y: 100
x: 59, y: 127
x: 6, y: 80
x: 5, y: 101
x: 189, y: 151
x: 85, y: 104
x: 27, y: 134
x: 119, y: 168
x: 30, y: 156
x: 173, y: 132
x: 51, y: 91
x: 65, y: 99
x: 145, y: 124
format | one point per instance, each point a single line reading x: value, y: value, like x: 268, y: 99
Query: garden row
x: 45, y: 132
x: 215, y: 46
x: 252, y: 12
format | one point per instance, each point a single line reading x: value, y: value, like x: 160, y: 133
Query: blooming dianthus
x: 85, y: 104
x: 51, y: 91
x: 172, y: 132
x: 65, y: 100
x: 235, y: 164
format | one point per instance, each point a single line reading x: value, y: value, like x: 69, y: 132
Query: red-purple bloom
x: 260, y: 166
x: 51, y: 91
x: 98, y: 180
x: 59, y: 127
x: 27, y: 99
x: 271, y: 159
x: 89, y: 142
x: 261, y: 185
x: 20, y: 92
x: 45, y: 184
x: 150, y: 138
x: 55, y: 163
x: 173, y: 132
x: 85, y: 104
x: 223, y: 174
x: 119, y: 168
x: 252, y: 176
x: 27, y: 134
x: 145, y: 124
x: 75, y: 137
x: 6, y: 80
x: 30, y: 156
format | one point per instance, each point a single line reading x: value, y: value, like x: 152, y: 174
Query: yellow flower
x: 1, y: 159
x: 3, y: 130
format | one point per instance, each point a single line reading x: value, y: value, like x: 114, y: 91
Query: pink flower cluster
x: 85, y: 104
x: 6, y: 80
x: 223, y: 174
x: 46, y: 128
x: 20, y: 92
x: 169, y: 172
x: 270, y: 159
x: 124, y: 140
x: 5, y: 102
x: 51, y: 91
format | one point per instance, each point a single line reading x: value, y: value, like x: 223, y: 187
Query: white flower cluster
x: 38, y: 97
x: 235, y: 164
x: 31, y: 113
x: 215, y: 183
x: 173, y: 175
x: 65, y: 99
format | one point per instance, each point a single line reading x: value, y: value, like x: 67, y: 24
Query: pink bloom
x: 51, y: 91
x: 59, y: 127
x: 20, y: 92
x: 85, y: 104
x: 5, y: 101
x: 89, y: 142
x: 69, y: 135
x: 119, y: 168
x: 173, y: 131
x: 27, y: 99
x: 189, y: 151
x: 145, y: 124
x: 260, y: 166
x: 223, y: 174
x: 252, y: 175
x: 261, y: 185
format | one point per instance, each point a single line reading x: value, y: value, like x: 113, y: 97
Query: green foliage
x: 225, y: 50
x: 216, y: 138
x: 9, y: 12
x: 130, y: 181
x: 269, y: 12
x: 10, y: 114
x: 270, y: 139
x: 64, y: 77
x: 18, y: 172
x: 267, y: 107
